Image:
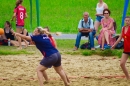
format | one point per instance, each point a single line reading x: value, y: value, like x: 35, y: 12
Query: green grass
x: 61, y: 15
x: 64, y: 46
x: 10, y: 50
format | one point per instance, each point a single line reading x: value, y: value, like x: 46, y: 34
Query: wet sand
x: 20, y: 70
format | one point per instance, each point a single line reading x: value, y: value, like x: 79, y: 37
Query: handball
x: 58, y: 33
x: 1, y: 31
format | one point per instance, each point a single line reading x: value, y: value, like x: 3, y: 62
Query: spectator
x: 8, y: 34
x: 105, y: 36
x: 8, y: 31
x: 20, y: 14
x: 125, y: 34
x: 85, y: 28
x: 99, y: 15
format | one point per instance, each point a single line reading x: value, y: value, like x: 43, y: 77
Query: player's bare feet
x: 128, y: 78
x: 68, y: 84
x: 45, y: 82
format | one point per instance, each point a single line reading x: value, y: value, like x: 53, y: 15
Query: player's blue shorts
x: 53, y: 60
x: 98, y: 18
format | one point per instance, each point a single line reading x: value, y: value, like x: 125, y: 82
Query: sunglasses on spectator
x: 106, y: 13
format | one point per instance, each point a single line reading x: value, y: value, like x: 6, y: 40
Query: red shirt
x: 126, y: 37
x: 52, y: 41
x: 20, y: 15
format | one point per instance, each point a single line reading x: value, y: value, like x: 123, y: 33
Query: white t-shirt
x: 100, y: 9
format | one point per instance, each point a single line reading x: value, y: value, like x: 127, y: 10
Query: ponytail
x: 18, y: 3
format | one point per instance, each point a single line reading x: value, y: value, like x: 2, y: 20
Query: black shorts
x: 127, y: 53
x: 53, y: 60
x: 20, y: 26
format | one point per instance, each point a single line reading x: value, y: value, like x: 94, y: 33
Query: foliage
x: 60, y: 15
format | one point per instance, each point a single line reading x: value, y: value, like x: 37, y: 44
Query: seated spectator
x: 8, y: 33
x: 86, y: 28
x: 107, y: 31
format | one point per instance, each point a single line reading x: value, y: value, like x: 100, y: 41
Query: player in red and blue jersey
x: 20, y: 14
x: 51, y: 55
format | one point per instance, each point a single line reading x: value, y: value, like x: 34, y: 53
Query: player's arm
x: 118, y: 40
x: 23, y: 36
x: 26, y: 15
x: 14, y: 15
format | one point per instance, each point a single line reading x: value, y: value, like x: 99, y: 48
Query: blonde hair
x: 42, y: 31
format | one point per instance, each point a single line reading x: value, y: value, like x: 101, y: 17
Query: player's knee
x: 58, y: 71
x: 122, y: 64
x: 38, y: 69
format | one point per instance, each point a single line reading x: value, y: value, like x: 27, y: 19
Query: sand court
x: 20, y: 70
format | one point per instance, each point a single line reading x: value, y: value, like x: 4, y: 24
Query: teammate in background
x: 20, y: 14
x: 53, y: 41
x: 51, y: 58
x: 125, y: 34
